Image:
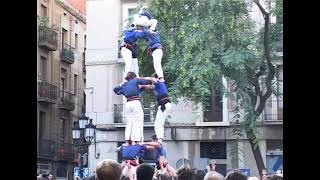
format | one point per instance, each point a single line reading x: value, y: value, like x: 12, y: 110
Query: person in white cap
x: 145, y: 19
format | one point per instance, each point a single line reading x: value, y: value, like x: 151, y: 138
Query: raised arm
x: 118, y: 90
x: 152, y: 79
x: 150, y: 87
x: 154, y: 144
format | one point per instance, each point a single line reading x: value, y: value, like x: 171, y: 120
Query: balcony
x: 67, y: 54
x: 47, y: 92
x: 48, y: 38
x: 67, y: 101
x: 65, y: 151
x: 273, y: 112
x: 64, y: 114
x: 47, y: 149
x: 119, y: 115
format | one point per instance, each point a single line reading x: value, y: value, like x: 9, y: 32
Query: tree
x: 205, y: 40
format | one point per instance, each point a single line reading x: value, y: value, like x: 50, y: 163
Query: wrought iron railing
x: 273, y: 110
x: 66, y: 151
x: 47, y: 91
x: 47, y: 148
x: 119, y: 114
x: 48, y: 35
x: 67, y: 100
x: 67, y: 53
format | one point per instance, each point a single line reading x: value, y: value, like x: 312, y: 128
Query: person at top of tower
x: 145, y: 19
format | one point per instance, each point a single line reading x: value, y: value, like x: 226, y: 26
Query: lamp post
x: 82, y: 134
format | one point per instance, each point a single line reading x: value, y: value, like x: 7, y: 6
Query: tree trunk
x: 256, y: 153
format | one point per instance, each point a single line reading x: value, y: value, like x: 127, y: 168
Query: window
x: 76, y: 41
x: 75, y: 84
x: 85, y: 42
x: 213, y: 150
x: 63, y: 79
x: 280, y: 91
x: 131, y: 12
x: 42, y: 124
x: 274, y: 155
x: 63, y: 130
x: 213, y: 112
x: 44, y: 11
x: 64, y: 36
x: 43, y: 68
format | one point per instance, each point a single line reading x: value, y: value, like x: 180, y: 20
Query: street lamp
x: 82, y: 134
x: 83, y: 121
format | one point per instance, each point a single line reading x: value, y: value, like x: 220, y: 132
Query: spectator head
x: 253, y: 178
x: 166, y: 176
x: 213, y: 175
x: 199, y: 174
x: 236, y: 175
x: 185, y: 173
x: 108, y: 170
x: 127, y: 169
x: 145, y: 172
x: 276, y: 177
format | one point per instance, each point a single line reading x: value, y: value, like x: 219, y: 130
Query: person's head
x: 130, y: 75
x: 154, y: 138
x: 276, y: 177
x: 213, y: 175
x: 145, y: 172
x: 253, y: 178
x: 199, y: 174
x: 108, y: 170
x: 166, y: 176
x: 127, y: 170
x: 185, y: 173
x: 236, y: 175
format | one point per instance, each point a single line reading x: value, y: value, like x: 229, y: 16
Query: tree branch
x: 271, y: 67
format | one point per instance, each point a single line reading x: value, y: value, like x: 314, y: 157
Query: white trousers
x: 157, y: 58
x: 134, y: 125
x: 144, y: 21
x: 160, y: 120
x: 131, y: 64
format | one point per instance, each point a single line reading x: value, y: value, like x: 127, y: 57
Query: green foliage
x: 43, y: 21
x: 203, y: 41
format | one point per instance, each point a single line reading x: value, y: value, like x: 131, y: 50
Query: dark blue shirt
x: 131, y: 151
x: 160, y: 89
x: 132, y: 35
x: 131, y: 88
x: 154, y: 39
x: 162, y: 151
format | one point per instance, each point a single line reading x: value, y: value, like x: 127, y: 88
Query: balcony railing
x: 67, y: 53
x: 273, y: 111
x: 48, y: 38
x: 47, y: 148
x: 65, y: 151
x: 67, y: 100
x: 47, y: 92
x: 119, y: 115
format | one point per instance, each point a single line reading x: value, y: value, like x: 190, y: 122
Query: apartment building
x: 61, y: 80
x: 191, y: 134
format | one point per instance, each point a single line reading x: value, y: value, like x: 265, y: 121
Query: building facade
x: 61, y: 81
x: 190, y: 133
